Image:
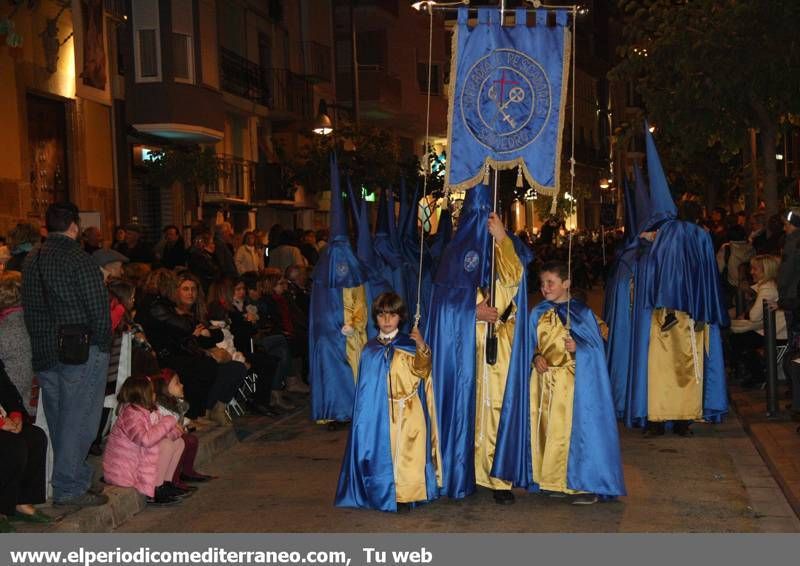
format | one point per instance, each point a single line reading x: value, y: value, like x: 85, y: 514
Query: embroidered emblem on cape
x: 342, y: 269
x: 471, y: 261
x: 510, y: 94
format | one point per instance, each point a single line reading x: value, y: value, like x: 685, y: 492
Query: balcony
x: 236, y: 179
x: 380, y: 94
x: 241, y: 77
x: 316, y: 61
x: 290, y: 96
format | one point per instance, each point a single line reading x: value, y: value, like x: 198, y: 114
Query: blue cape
x: 450, y: 331
x: 685, y: 274
x: 367, y: 476
x: 595, y: 463
x: 677, y: 246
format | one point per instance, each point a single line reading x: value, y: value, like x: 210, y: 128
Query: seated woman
x: 747, y: 331
x: 226, y: 302
x: 175, y: 325
x: 23, y: 446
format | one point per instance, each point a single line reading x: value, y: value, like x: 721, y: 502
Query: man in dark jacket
x: 170, y: 251
x: 202, y: 261
x: 62, y: 285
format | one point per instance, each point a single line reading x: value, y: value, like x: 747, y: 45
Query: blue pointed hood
x: 338, y: 266
x: 382, y: 223
x: 662, y: 207
x: 401, y: 221
x: 466, y: 260
x: 444, y: 233
x: 630, y: 211
x: 641, y: 199
x: 386, y: 244
x: 364, y: 246
x: 338, y: 219
x: 354, y: 200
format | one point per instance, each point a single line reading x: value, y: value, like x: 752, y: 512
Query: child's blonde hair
x: 137, y: 391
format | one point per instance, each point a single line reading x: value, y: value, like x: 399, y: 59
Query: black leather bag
x: 73, y: 344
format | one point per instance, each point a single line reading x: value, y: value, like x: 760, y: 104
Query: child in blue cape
x: 558, y: 430
x: 392, y: 456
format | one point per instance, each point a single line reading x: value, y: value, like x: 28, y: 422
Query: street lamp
x: 322, y: 123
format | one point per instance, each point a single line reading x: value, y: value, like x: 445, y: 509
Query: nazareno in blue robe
x: 677, y: 271
x: 330, y: 374
x: 450, y: 331
x: 366, y: 479
x: 595, y: 462
x: 685, y: 277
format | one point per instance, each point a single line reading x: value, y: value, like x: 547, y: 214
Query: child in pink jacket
x: 144, y: 447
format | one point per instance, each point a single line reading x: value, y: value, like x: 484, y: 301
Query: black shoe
x: 653, y: 429
x: 161, y: 500
x: 504, y: 497
x: 333, y: 426
x: 404, y: 508
x: 172, y: 490
x: 681, y: 428
x: 670, y: 321
x: 197, y: 478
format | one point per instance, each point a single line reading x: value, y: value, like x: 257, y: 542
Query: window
x: 183, y: 40
x: 422, y: 78
x: 148, y: 53
x: 146, y: 39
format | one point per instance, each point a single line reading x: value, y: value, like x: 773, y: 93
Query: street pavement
x: 282, y: 478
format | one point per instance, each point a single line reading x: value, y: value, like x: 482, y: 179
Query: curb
x: 125, y: 502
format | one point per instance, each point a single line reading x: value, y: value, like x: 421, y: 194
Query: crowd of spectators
x: 206, y: 311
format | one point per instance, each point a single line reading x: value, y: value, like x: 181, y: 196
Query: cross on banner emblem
x: 510, y: 94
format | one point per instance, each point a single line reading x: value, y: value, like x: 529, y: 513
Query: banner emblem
x: 510, y: 93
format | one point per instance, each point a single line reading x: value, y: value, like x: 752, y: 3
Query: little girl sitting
x: 143, y: 448
x: 169, y: 397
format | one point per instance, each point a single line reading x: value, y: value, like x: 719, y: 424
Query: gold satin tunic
x: 491, y: 380
x: 675, y: 369
x: 355, y: 315
x: 552, y: 394
x: 407, y: 428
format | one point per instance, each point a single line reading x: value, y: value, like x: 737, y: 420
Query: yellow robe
x: 675, y: 369
x: 408, y: 428
x: 491, y: 380
x: 552, y: 393
x: 355, y: 315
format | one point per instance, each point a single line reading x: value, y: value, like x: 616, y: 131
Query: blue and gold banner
x: 507, y: 99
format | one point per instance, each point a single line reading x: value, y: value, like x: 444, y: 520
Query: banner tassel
x: 519, y: 177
